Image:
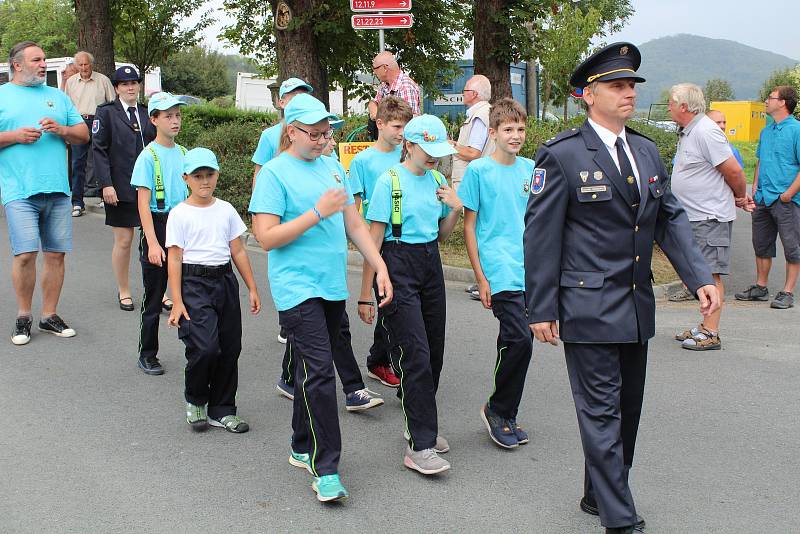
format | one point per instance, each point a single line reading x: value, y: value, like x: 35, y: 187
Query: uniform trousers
x: 379, y: 351
x: 154, y: 280
x: 80, y: 157
x: 213, y: 337
x: 514, y: 350
x: 343, y: 359
x: 415, y: 324
x: 310, y: 326
x: 607, y: 382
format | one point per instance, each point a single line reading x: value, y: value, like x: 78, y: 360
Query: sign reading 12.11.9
x: 362, y: 6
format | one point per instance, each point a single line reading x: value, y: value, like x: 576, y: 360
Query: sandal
x: 704, y: 340
x: 686, y: 334
x: 123, y: 306
x: 166, y: 304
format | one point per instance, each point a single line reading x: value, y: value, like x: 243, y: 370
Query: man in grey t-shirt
x: 710, y: 184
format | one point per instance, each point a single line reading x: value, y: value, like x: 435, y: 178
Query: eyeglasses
x: 472, y: 90
x: 315, y: 136
x: 379, y: 66
x: 774, y: 98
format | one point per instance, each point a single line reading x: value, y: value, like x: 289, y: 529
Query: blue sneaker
x: 500, y: 430
x: 302, y: 460
x: 287, y: 390
x: 329, y: 488
x: 522, y: 436
x: 361, y: 400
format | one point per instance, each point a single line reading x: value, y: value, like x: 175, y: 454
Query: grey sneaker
x: 442, y: 446
x: 681, y: 296
x: 783, y: 301
x: 754, y: 292
x: 196, y: 417
x: 426, y: 461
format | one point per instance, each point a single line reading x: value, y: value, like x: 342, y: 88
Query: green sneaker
x: 196, y: 416
x: 231, y: 423
x: 301, y: 459
x: 329, y: 488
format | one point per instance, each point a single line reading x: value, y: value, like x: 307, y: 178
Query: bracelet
x: 366, y: 303
x: 317, y: 213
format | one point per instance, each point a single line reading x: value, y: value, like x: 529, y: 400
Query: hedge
x: 233, y: 135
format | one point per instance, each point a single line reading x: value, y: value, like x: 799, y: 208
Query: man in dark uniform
x: 599, y: 198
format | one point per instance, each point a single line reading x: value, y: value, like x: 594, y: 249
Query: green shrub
x: 225, y: 102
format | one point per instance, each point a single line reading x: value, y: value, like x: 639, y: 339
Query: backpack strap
x: 397, y: 205
x: 440, y: 179
x: 159, y: 177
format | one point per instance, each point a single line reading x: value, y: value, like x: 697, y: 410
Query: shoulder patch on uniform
x: 561, y: 136
x: 95, y: 126
x: 631, y: 131
x: 537, y: 184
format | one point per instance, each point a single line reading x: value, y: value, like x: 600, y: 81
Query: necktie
x: 626, y: 170
x: 134, y: 120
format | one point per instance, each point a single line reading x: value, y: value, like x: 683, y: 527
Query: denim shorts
x: 45, y: 218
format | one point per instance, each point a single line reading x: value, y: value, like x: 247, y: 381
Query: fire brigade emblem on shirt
x: 537, y: 186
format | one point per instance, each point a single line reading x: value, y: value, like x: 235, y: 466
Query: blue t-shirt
x: 144, y: 175
x: 268, y: 144
x: 778, y: 156
x: 737, y: 155
x: 315, y: 264
x: 367, y: 165
x: 499, y: 194
x: 421, y: 209
x: 40, y: 167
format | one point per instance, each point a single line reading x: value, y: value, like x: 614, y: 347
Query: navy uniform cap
x: 615, y: 61
x: 126, y: 74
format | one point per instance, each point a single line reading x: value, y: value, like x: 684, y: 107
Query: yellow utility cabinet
x: 745, y: 119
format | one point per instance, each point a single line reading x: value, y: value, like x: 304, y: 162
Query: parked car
x: 190, y: 100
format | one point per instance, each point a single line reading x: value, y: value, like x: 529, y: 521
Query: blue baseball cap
x: 162, y: 101
x: 291, y: 84
x: 306, y: 109
x: 429, y: 132
x: 198, y: 158
x: 337, y: 124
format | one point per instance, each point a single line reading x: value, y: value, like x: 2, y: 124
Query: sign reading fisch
x: 361, y: 6
x: 381, y: 22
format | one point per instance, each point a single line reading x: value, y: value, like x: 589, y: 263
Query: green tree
x: 196, y: 71
x: 149, y: 31
x: 790, y: 77
x: 96, y: 32
x: 320, y: 46
x: 507, y: 31
x: 22, y: 20
x: 718, y: 90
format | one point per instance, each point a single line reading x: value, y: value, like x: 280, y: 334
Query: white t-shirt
x: 205, y: 233
x: 696, y: 181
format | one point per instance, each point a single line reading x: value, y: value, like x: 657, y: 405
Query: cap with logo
x: 126, y: 74
x: 612, y: 62
x: 291, y: 84
x: 198, y: 158
x: 429, y: 132
x: 162, y: 101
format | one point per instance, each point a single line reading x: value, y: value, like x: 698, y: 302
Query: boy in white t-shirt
x: 203, y: 237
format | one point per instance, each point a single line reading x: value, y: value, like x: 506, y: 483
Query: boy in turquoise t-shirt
x: 158, y: 178
x: 495, y: 192
x: 392, y: 116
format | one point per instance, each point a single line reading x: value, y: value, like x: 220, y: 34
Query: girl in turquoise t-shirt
x: 303, y: 213
x: 410, y: 209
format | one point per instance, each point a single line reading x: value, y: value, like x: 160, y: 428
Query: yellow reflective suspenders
x: 397, y: 201
x: 159, y: 178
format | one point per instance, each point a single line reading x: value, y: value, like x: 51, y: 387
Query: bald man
x: 473, y: 137
x: 719, y: 118
x: 394, y: 82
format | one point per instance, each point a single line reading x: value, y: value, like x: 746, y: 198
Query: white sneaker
x: 426, y: 461
x: 442, y: 446
x: 282, y: 339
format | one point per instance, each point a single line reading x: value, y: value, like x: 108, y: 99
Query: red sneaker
x: 384, y: 375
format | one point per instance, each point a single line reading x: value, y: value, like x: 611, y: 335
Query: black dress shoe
x: 620, y: 530
x: 124, y: 306
x: 151, y: 366
x: 590, y: 507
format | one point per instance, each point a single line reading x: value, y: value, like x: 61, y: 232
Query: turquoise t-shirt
x: 421, y: 209
x: 268, y: 144
x: 40, y: 167
x: 778, y: 156
x: 499, y: 195
x: 144, y: 175
x: 315, y: 264
x: 367, y: 166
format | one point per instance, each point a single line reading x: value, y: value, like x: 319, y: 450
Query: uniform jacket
x: 115, y: 147
x: 588, y: 251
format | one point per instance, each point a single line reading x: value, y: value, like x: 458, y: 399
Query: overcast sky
x: 768, y: 25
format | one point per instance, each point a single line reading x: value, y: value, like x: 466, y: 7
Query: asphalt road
x: 90, y: 444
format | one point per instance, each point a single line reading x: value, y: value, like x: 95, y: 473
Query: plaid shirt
x: 403, y: 87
